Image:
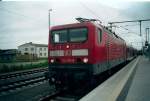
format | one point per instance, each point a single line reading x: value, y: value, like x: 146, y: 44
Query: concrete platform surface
x: 113, y: 88
x: 140, y: 87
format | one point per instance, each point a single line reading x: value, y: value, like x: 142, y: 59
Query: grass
x: 5, y: 68
x: 18, y: 61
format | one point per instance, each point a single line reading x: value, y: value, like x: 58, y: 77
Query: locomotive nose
x: 69, y: 55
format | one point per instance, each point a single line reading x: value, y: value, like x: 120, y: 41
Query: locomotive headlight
x: 52, y: 60
x: 85, y: 60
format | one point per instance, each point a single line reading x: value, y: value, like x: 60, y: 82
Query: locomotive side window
x: 78, y: 35
x: 99, y: 35
x: 59, y: 36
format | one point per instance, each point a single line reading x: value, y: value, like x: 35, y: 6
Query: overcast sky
x: 22, y: 22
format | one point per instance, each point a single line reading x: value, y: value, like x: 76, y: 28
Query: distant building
x: 38, y: 50
x: 8, y: 55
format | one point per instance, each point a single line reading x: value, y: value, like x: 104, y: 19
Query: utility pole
x: 147, y: 36
x: 140, y: 27
x: 147, y: 45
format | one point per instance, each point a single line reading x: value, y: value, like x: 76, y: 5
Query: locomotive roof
x: 71, y: 25
x: 85, y: 24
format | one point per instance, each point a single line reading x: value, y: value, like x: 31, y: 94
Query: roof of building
x: 34, y: 44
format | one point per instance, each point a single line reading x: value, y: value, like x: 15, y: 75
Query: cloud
x: 28, y: 21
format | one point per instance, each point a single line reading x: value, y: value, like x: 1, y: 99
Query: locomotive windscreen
x: 69, y: 35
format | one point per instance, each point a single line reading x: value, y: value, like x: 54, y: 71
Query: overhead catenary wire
x: 131, y: 25
x: 127, y: 29
x: 89, y: 9
x: 93, y: 13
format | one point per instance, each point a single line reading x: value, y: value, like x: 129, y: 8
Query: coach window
x: 99, y: 35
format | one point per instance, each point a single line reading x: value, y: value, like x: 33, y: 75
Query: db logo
x: 67, y: 53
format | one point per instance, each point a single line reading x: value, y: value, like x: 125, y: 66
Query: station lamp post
x: 49, y: 23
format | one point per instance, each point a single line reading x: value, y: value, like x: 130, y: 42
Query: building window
x: 26, y: 49
x: 40, y: 54
x: 32, y: 49
x: 45, y: 49
x: 44, y: 54
x: 40, y: 49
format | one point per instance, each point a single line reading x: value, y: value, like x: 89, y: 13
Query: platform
x: 132, y: 83
x: 140, y: 88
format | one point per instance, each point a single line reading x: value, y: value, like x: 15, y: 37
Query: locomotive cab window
x: 99, y: 35
x: 59, y: 36
x: 78, y: 35
x: 69, y: 35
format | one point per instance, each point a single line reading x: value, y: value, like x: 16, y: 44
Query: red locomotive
x: 80, y: 52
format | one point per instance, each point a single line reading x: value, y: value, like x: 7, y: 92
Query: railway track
x: 61, y: 96
x: 26, y: 72
x: 13, y: 81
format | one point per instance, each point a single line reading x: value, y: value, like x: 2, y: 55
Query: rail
x: 20, y: 73
x: 19, y: 79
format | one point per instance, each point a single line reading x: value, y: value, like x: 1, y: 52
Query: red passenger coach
x: 81, y: 51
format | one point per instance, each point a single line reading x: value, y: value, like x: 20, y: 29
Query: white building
x: 39, y: 50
